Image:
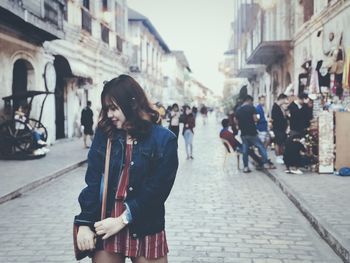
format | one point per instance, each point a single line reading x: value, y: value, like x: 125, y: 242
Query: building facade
x: 93, y: 50
x: 276, y: 45
x: 25, y: 65
x: 147, y: 55
x: 177, y: 78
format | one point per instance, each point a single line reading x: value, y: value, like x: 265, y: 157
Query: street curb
x: 39, y: 182
x: 320, y: 227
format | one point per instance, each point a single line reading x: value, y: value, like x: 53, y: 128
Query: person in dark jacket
x: 279, y: 126
x: 143, y: 166
x: 87, y: 122
x: 188, y: 132
x: 297, y: 117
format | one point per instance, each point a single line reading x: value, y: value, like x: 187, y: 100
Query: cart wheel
x: 16, y: 137
x: 40, y: 127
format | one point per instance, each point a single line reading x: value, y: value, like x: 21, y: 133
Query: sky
x: 201, y: 28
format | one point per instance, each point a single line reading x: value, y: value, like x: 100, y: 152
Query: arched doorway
x: 23, y: 71
x: 63, y: 71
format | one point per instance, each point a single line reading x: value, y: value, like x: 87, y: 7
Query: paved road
x: 212, y: 216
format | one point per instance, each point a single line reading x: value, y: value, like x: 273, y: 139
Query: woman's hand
x: 109, y: 226
x: 86, y: 238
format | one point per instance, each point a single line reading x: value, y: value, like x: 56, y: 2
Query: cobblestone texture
x: 212, y: 216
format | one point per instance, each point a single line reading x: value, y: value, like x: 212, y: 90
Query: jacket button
x: 134, y: 235
x: 132, y: 163
x: 131, y: 189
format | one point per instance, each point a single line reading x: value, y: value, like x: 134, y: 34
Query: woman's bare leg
x: 102, y: 256
x: 145, y: 260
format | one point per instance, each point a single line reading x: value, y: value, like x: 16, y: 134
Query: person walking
x: 187, y: 132
x: 143, y: 167
x: 246, y: 116
x: 87, y: 122
x: 279, y: 126
x: 174, y: 121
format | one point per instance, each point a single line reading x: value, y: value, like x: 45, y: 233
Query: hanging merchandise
x: 346, y: 70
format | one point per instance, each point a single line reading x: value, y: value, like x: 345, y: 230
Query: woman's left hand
x: 109, y: 226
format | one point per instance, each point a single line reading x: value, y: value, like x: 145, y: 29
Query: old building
x: 277, y: 45
x: 93, y: 50
x: 147, y: 55
x: 25, y: 65
x: 177, y: 78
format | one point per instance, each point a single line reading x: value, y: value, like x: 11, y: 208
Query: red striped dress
x: 152, y: 246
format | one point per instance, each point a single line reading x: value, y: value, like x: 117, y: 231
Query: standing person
x: 297, y: 116
x: 262, y: 125
x: 194, y: 111
x: 86, y: 121
x: 187, y: 132
x: 174, y: 123
x: 246, y: 116
x: 204, y: 113
x: 279, y: 126
x: 143, y: 167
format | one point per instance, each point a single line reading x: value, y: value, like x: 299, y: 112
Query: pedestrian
x: 174, y: 121
x: 187, y: 132
x: 204, y: 113
x: 246, y: 117
x: 262, y: 124
x: 194, y: 111
x: 297, y: 117
x: 279, y: 126
x: 144, y: 163
x: 228, y: 135
x: 87, y: 122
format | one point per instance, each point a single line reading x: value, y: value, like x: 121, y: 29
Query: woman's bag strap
x: 105, y: 179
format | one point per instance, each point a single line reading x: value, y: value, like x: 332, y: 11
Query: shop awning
x: 268, y: 52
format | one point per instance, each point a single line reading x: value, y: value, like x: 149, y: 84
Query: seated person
x: 37, y: 133
x: 295, y: 155
x: 226, y: 134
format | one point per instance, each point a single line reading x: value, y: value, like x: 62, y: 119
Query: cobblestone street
x: 213, y: 215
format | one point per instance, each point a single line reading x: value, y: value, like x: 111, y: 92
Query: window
x: 86, y: 4
x: 85, y: 20
x: 104, y: 34
x: 119, y: 44
x: 120, y: 20
x: 308, y: 9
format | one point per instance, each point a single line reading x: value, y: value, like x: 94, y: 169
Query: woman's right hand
x: 86, y: 238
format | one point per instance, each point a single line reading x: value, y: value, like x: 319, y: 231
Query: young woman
x: 142, y: 171
x: 187, y: 132
x: 174, y: 124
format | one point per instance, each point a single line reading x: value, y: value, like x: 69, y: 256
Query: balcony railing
x: 264, y: 48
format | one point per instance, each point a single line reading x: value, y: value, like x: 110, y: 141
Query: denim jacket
x: 152, y: 173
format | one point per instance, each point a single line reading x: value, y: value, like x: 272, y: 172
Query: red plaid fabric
x: 152, y: 246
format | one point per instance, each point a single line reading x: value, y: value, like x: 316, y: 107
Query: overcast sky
x: 201, y: 28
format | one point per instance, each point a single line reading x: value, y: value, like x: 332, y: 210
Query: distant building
x: 147, y: 55
x: 177, y: 74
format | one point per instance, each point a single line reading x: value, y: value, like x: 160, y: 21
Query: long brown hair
x: 132, y: 100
